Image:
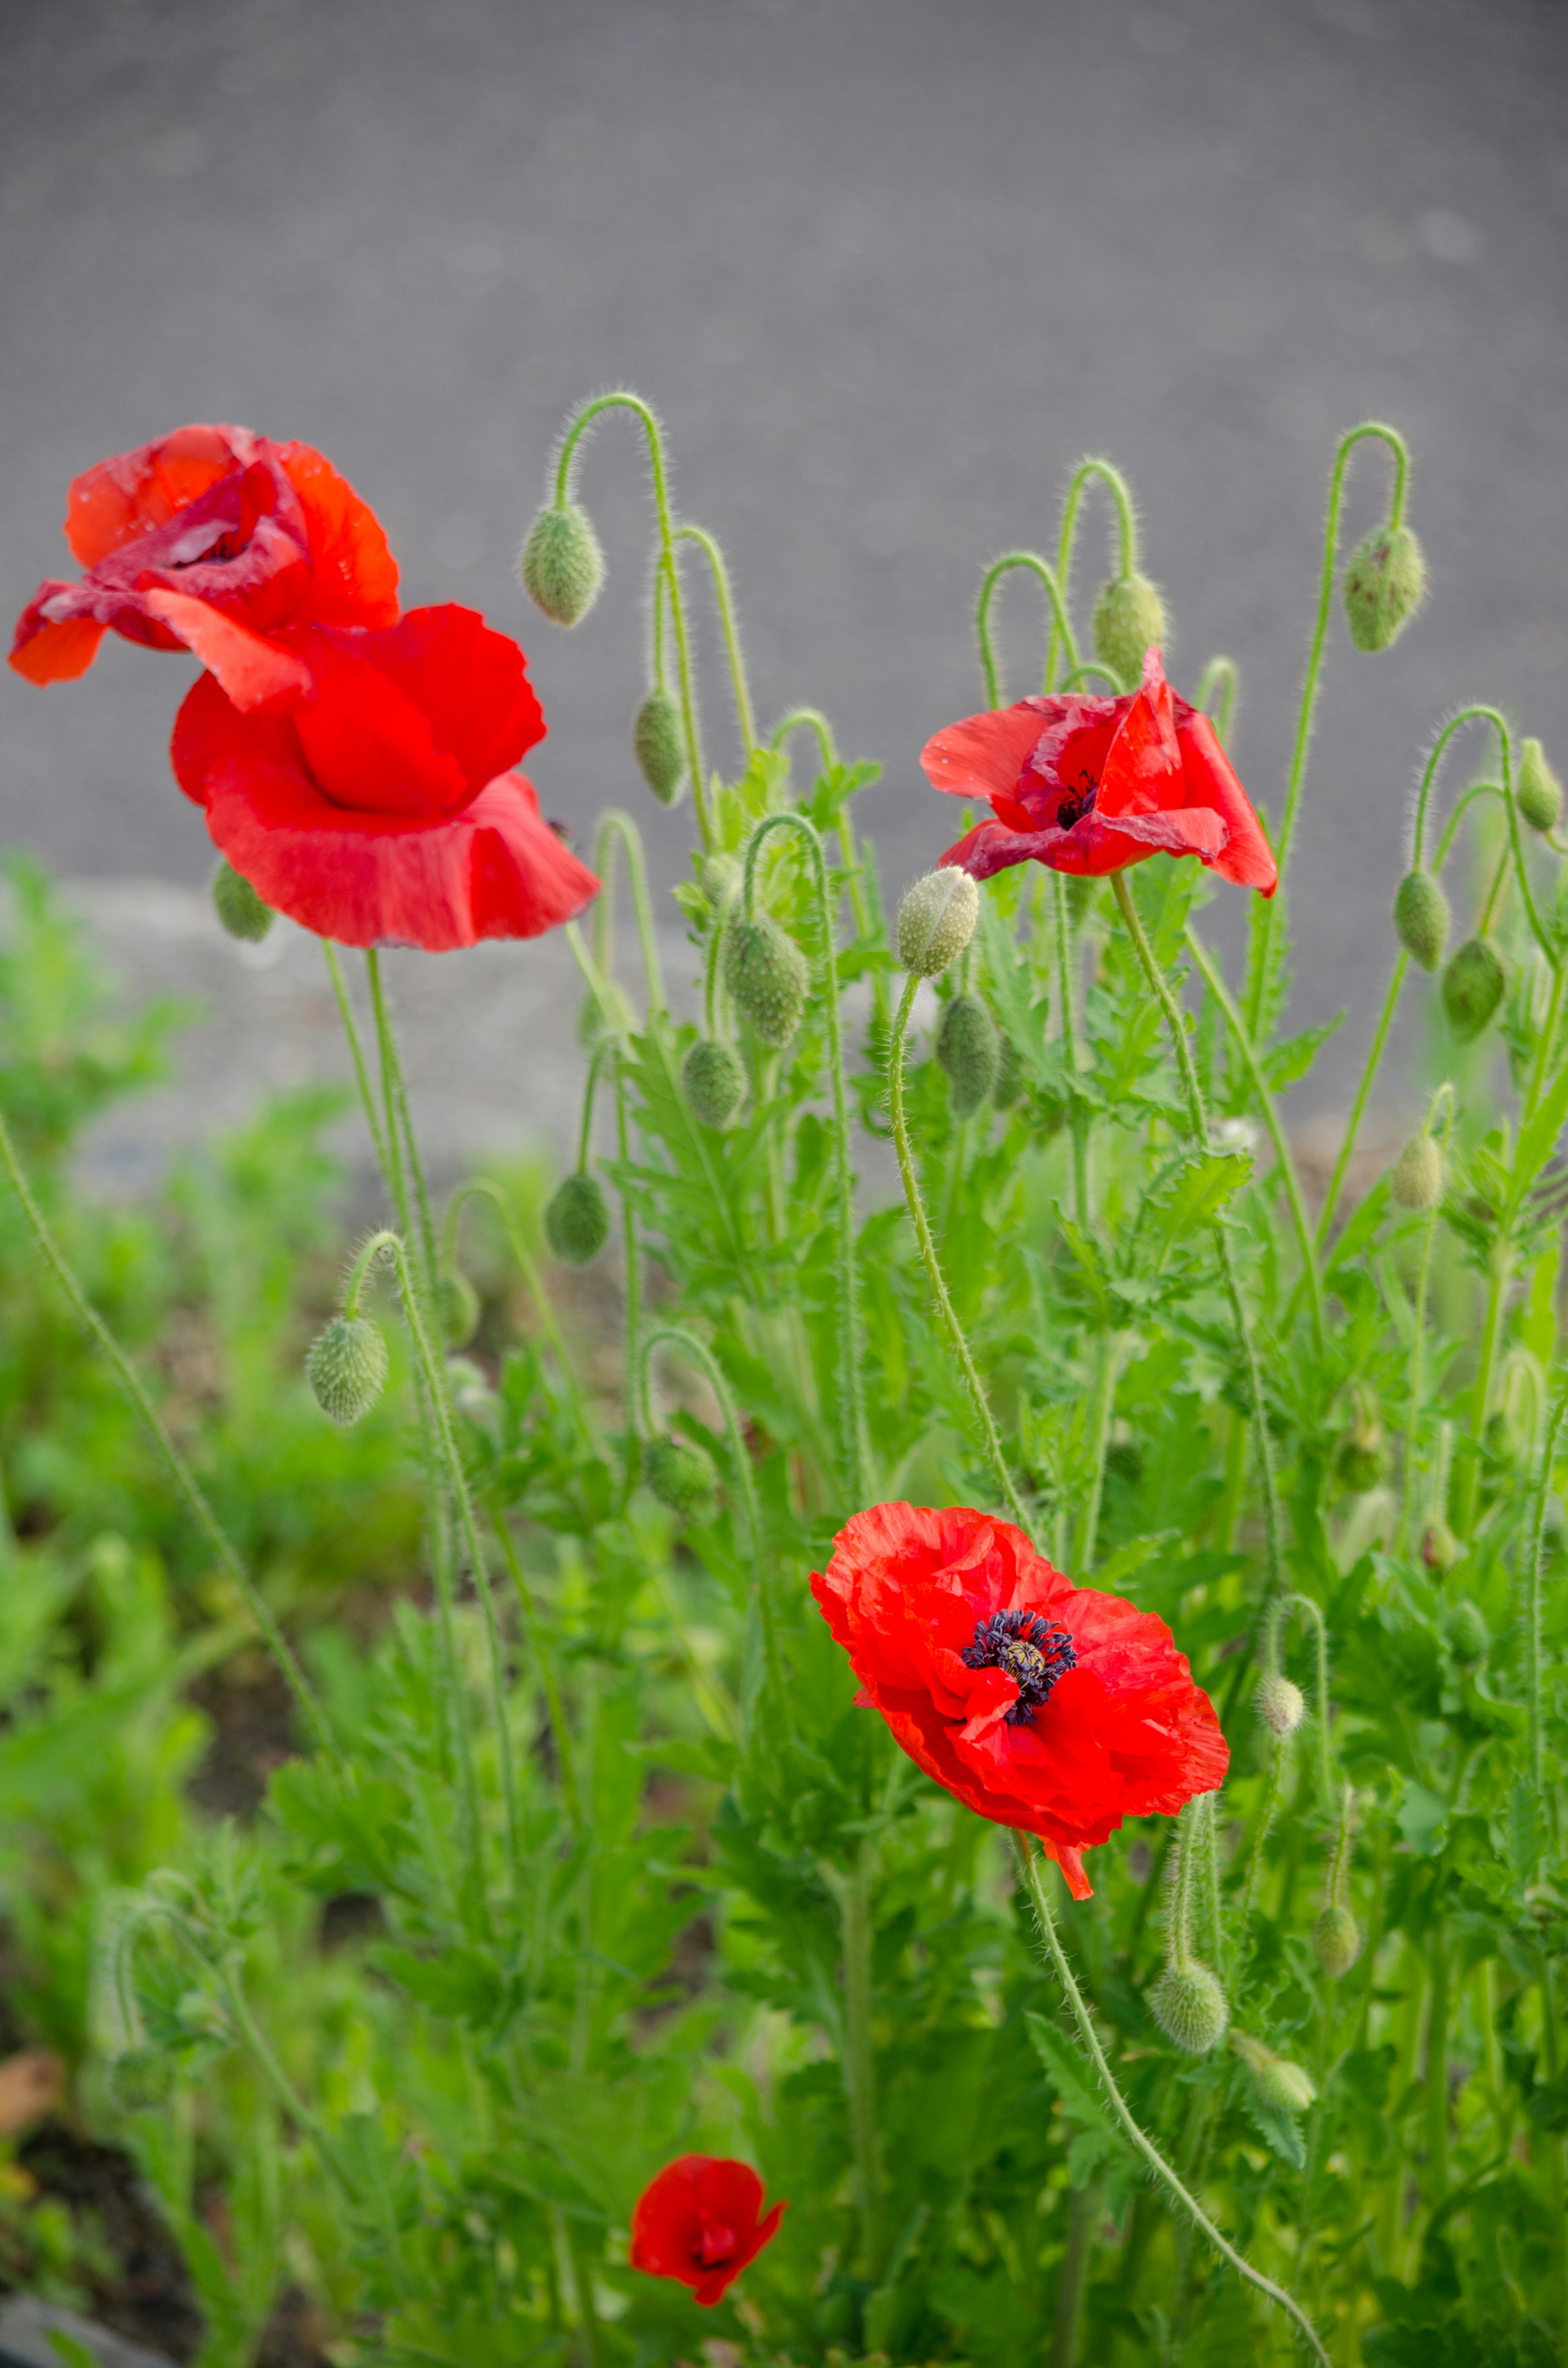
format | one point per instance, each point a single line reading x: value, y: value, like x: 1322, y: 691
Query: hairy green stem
x: 1077, y: 1118
x: 859, y: 2068
x: 1060, y: 620
x: 481, y: 1188
x: 1091, y: 471
x: 725, y: 603
x: 1099, y: 1439
x: 1219, y: 675
x: 615, y: 825
x: 560, y: 1730
x: 1443, y: 1097
x: 1534, y: 1576
x: 1279, y: 1619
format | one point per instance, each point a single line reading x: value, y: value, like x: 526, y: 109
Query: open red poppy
x: 1043, y: 1705
x: 698, y: 2221
x: 210, y: 540
x: 1091, y: 785
x: 382, y: 807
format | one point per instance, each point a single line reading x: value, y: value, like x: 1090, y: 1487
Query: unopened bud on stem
x: 765, y: 974
x: 1280, y: 2084
x: 1385, y: 583
x: 1417, y: 1177
x: 657, y: 745
x: 1538, y: 789
x: 1337, y: 1937
x: 1128, y: 619
x: 1421, y: 918
x: 238, y: 907
x: 714, y: 1081
x: 562, y: 567
x: 459, y: 1305
x: 346, y: 1368
x: 1280, y: 1704
x: 935, y: 921
x: 576, y: 1219
x: 968, y: 1054
x: 1472, y: 987
x: 682, y: 1476
x: 1468, y: 1633
x: 1191, y: 2006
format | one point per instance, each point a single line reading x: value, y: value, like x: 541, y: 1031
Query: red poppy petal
x: 131, y: 493
x: 1142, y: 765
x: 1091, y: 851
x: 983, y: 756
x: 1174, y: 830
x: 1247, y: 858
x: 356, y: 574
x: 1071, y: 1862
x: 48, y: 652
x: 251, y: 670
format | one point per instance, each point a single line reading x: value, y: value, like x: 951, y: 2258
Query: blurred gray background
x: 888, y: 268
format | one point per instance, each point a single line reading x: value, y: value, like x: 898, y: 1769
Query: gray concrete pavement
x: 888, y: 266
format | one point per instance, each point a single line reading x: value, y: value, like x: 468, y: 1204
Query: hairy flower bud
x: 1385, y: 583
x: 1128, y: 619
x: 1422, y: 918
x: 1010, y: 1079
x: 346, y: 1368
x: 1361, y: 1461
x: 1417, y: 1177
x: 720, y: 876
x: 1538, y: 789
x: 562, y: 567
x: 576, y: 1219
x: 1280, y: 1704
x: 1280, y: 2085
x: 767, y: 975
x: 713, y: 1081
x: 1468, y: 1633
x: 238, y: 906
x: 1190, y: 2008
x: 657, y: 745
x: 1439, y: 1547
x: 1337, y: 1937
x: 968, y: 1054
x: 458, y: 1303
x: 1472, y: 987
x: 682, y: 1476
x: 935, y: 921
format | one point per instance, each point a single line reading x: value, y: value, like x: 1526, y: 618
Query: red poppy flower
x: 698, y: 2221
x: 1091, y: 785
x: 210, y: 540
x: 382, y: 808
x: 1043, y: 1705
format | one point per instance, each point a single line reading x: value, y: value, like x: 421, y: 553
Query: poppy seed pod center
x: 1032, y: 1651
x: 715, y: 2243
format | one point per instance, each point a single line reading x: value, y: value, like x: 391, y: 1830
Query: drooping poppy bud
x: 1417, y: 1176
x: 657, y: 745
x: 720, y: 876
x: 576, y: 1219
x: 1009, y: 1083
x: 1439, y: 1547
x: 1190, y: 2008
x: 562, y: 567
x: 1472, y: 987
x: 767, y: 976
x: 346, y: 1368
x: 1361, y: 1461
x: 682, y: 1476
x: 459, y: 1305
x: 238, y: 907
x: 1468, y: 1635
x: 713, y: 1081
x: 1422, y: 918
x: 1539, y: 791
x: 968, y: 1054
x: 1128, y: 619
x: 1280, y: 2084
x: 1385, y: 583
x: 1280, y: 1704
x: 935, y: 921
x: 1337, y: 1937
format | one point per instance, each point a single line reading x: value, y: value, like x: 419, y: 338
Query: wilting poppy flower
x: 697, y: 2221
x: 210, y: 540
x: 1091, y: 785
x: 381, y: 806
x: 1043, y: 1705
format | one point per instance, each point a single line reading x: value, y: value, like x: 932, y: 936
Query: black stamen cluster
x: 1078, y: 803
x: 1033, y: 1652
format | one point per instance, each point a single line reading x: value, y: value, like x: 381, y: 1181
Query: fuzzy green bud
x: 1361, y: 1461
x: 935, y: 921
x: 1472, y: 987
x: 682, y: 1476
x: 346, y: 1368
x: 713, y: 1081
x: 1128, y: 619
x: 1286, y: 2086
x: 767, y: 976
x: 1417, y: 1177
x: 1468, y: 1635
x: 459, y: 1305
x: 562, y: 567
x: 1010, y: 1078
x: 238, y: 906
x: 576, y: 1219
x: 1439, y: 1547
x: 968, y: 1054
x: 1337, y: 1937
x: 1190, y: 2008
x: 720, y: 876
x: 1280, y: 1704
x: 657, y: 744
x: 1538, y: 789
x: 1422, y: 918
x: 1385, y: 583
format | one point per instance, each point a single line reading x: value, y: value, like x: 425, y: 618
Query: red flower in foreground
x: 1040, y: 1704
x: 382, y: 808
x: 698, y: 2221
x: 210, y: 540
x: 1091, y: 785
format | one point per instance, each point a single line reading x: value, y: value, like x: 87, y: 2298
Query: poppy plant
x: 1042, y: 1705
x: 1090, y: 785
x: 210, y: 540
x: 698, y: 2221
x: 382, y: 807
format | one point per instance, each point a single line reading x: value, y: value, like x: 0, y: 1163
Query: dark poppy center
x: 1033, y: 1652
x: 1078, y: 803
x: 715, y: 2243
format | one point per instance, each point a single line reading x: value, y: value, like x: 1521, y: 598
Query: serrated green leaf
x: 1074, y: 2081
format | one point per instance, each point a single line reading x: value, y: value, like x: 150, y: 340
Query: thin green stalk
x: 724, y: 600
x: 282, y: 2087
x: 560, y: 1730
x: 361, y: 1075
x: 1445, y: 1097
x: 635, y: 1418
x: 1031, y: 1868
x: 617, y: 825
x: 1091, y: 471
x: 1265, y: 1827
x: 1060, y: 620
x: 1537, y: 1548
x: 1077, y: 1118
x: 860, y: 2067
x: 1099, y: 1439
x: 1076, y: 675
x: 481, y: 1188
x: 389, y: 1141
x: 1219, y: 673
x: 400, y: 1130
x: 1084, y: 2205
x: 984, y: 1421
x: 1499, y: 1274
x: 1212, y: 1907
x: 806, y: 719
x: 1437, y: 2082
x: 1178, y: 1930
x: 1279, y: 1619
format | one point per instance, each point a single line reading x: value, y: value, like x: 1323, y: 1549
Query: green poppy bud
x: 1421, y: 918
x: 1538, y: 789
x: 1417, y: 1177
x: 682, y: 1476
x: 459, y: 1305
x: 1385, y: 583
x: 1472, y: 987
x: 1190, y: 2008
x: 1285, y: 2087
x: 713, y: 1081
x: 767, y: 975
x: 576, y: 1219
x: 1361, y: 1461
x: 935, y: 921
x: 720, y: 876
x: 968, y: 1054
x: 1280, y: 1704
x: 1439, y: 1547
x: 1468, y: 1633
x: 657, y: 745
x: 562, y: 567
x: 1130, y: 618
x: 346, y: 1368
x: 238, y: 906
x: 1337, y: 1937
x: 1010, y: 1077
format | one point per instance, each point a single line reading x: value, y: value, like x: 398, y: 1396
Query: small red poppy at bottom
x: 697, y: 2221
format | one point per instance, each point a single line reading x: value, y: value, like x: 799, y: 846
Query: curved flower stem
x: 851, y: 1398
x: 614, y: 826
x: 1212, y: 1905
x: 624, y: 400
x: 361, y: 1074
x: 288, y: 2096
x: 1060, y: 620
x: 1278, y: 1621
x: 399, y: 1134
x: 812, y: 719
x: 984, y: 1420
x: 1261, y: 964
x: 1265, y: 1827
x: 635, y: 1413
x: 560, y: 1730
x: 306, y: 1698
x: 1214, y: 980
x: 859, y: 2065
x: 479, y: 1187
x: 724, y: 601
x: 1537, y: 1536
x: 1031, y: 1868
x: 806, y: 719
x: 1088, y: 472
x: 1219, y: 673
x: 1077, y: 1118
x: 1443, y: 1099
x: 1099, y: 1439
x: 1071, y: 680
x: 1178, y: 1942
